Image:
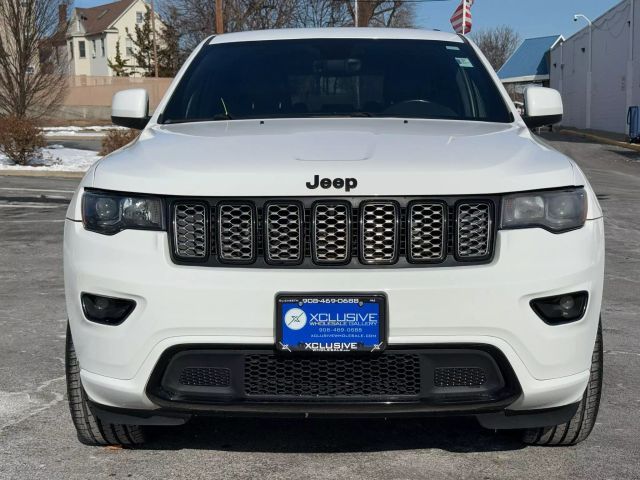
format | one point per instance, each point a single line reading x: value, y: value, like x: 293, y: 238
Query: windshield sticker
x: 453, y: 47
x: 464, y: 62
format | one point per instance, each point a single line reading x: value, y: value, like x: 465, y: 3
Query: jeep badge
x: 339, y: 183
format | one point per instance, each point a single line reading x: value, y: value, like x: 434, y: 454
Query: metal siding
x: 611, y: 40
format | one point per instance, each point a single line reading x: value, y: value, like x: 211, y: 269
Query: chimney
x: 62, y: 15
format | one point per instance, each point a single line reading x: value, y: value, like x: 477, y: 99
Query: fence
x: 90, y: 97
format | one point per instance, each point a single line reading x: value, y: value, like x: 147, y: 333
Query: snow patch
x: 56, y: 158
x: 95, y: 131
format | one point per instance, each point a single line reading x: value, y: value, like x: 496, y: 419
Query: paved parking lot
x: 37, y: 439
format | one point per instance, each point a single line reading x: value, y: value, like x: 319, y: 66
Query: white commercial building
x: 597, y: 70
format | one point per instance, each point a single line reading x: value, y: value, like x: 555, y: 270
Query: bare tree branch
x: 32, y: 73
x: 497, y: 44
x: 194, y: 20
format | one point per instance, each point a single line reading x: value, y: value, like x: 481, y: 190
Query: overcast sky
x: 531, y: 18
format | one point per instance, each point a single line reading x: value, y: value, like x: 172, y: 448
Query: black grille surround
x: 194, y: 377
x: 342, y: 232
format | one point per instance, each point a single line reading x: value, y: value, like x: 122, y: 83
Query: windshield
x: 336, y: 77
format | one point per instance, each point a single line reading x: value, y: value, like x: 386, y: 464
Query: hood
x: 391, y: 157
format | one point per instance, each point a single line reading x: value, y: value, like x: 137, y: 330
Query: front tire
x: 580, y: 426
x: 91, y: 430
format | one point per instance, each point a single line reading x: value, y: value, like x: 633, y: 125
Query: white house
x: 94, y: 33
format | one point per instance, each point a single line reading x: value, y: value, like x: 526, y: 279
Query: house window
x: 71, y: 49
x: 83, y: 49
x: 129, y: 48
x: 139, y: 17
x: 93, y: 48
x: 102, y: 47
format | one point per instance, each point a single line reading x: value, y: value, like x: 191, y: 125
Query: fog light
x: 561, y: 309
x: 106, y: 310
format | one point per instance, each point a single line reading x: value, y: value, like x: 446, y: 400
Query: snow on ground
x: 95, y: 131
x: 56, y: 158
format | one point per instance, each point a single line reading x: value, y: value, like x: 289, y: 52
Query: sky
x: 530, y: 18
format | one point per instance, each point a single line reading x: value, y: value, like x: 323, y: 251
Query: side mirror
x: 130, y: 108
x: 542, y: 106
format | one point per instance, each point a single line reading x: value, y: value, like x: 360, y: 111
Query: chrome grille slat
x: 236, y: 232
x: 473, y: 233
x: 190, y: 230
x: 331, y: 233
x: 379, y: 232
x: 427, y: 232
x: 284, y: 232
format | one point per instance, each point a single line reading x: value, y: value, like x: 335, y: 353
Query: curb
x: 29, y: 173
x: 601, y: 139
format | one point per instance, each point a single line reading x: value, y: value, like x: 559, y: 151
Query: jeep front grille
x: 379, y: 232
x: 474, y: 230
x: 427, y: 233
x: 317, y: 232
x: 331, y: 233
x: 284, y: 224
x: 236, y: 232
x: 190, y: 230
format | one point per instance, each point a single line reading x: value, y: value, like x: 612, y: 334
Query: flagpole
x: 464, y: 17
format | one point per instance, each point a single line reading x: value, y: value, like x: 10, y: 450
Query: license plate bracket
x: 331, y: 323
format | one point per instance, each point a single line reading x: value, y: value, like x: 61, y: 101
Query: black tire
x: 580, y: 426
x: 91, y: 430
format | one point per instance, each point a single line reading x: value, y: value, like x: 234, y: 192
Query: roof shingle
x: 98, y: 19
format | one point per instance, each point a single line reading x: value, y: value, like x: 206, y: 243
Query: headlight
x: 554, y: 210
x: 110, y: 213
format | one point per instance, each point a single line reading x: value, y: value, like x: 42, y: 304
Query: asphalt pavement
x: 37, y: 439
x: 80, y: 143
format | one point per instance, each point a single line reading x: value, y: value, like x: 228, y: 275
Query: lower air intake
x: 459, y: 377
x: 205, y: 377
x: 386, y: 375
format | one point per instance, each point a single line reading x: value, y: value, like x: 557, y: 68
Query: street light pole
x: 355, y: 14
x: 589, y: 73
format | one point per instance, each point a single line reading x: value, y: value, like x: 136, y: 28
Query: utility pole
x: 153, y: 36
x: 219, y: 17
x: 356, y: 14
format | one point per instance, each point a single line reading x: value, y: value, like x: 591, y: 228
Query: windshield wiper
x: 361, y: 114
x: 217, y: 117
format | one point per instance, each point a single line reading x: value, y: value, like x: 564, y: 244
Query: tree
x: 383, y: 13
x: 323, y: 13
x: 143, y: 45
x: 33, y: 79
x: 119, y: 64
x: 497, y: 44
x: 170, y: 55
x: 194, y: 20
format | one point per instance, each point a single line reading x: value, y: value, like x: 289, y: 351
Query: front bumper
x: 487, y: 305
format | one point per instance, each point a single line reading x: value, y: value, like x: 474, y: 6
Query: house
x: 529, y: 64
x: 95, y: 33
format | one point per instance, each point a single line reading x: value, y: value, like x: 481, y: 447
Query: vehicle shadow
x: 332, y: 435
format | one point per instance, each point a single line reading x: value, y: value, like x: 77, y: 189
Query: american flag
x: 461, y: 18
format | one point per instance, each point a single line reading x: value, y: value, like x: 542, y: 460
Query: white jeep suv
x: 335, y: 222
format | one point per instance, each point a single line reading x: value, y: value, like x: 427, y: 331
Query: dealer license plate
x: 330, y: 323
